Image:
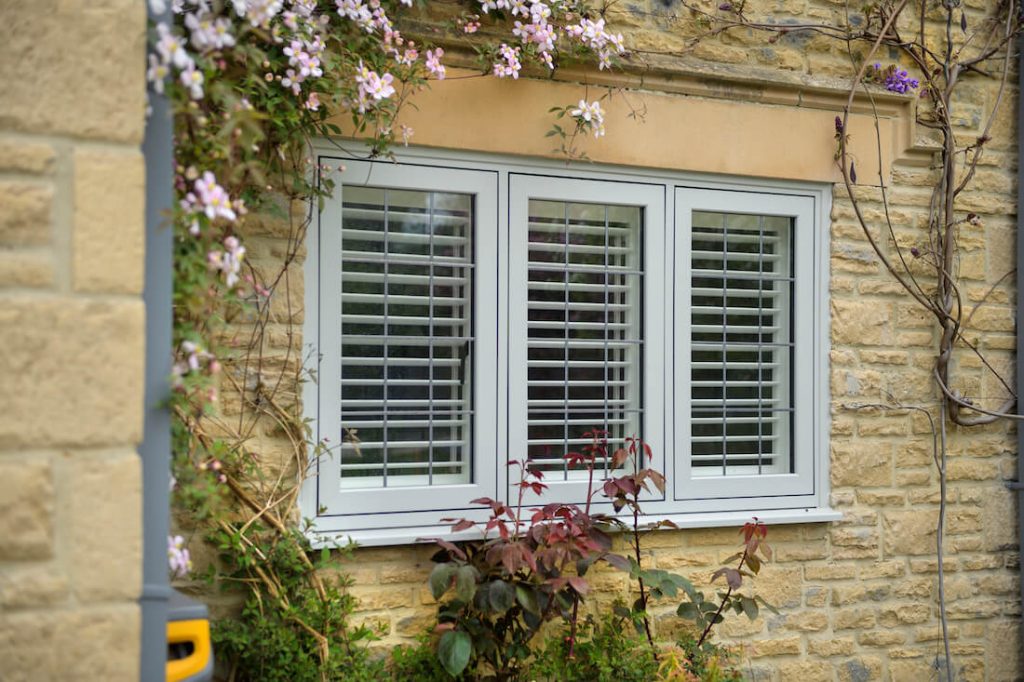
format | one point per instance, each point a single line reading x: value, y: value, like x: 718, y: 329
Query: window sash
x: 797, y: 399
x: 523, y: 411
x: 341, y: 243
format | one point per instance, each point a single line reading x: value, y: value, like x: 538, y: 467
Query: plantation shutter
x: 741, y: 344
x: 406, y: 337
x: 584, y: 319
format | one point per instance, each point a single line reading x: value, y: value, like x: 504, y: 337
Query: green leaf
x: 441, y: 579
x: 749, y: 607
x: 767, y: 605
x: 527, y: 598
x: 465, y: 582
x: 454, y: 650
x: 688, y: 610
x: 501, y: 596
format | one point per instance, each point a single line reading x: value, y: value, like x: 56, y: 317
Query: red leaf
x: 648, y: 452
x: 463, y: 524
x: 579, y: 584
x: 485, y: 501
x: 619, y: 458
x: 453, y: 549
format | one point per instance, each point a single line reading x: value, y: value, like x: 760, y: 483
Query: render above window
x: 467, y: 310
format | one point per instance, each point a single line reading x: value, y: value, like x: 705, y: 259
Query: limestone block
x: 73, y: 371
x: 106, y: 529
x: 25, y: 213
x: 861, y: 463
x: 109, y: 226
x: 909, y: 532
x: 26, y: 509
x: 22, y: 156
x: 27, y: 269
x: 32, y: 586
x: 87, y: 61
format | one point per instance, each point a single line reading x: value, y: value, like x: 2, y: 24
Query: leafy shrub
x: 293, y: 632
x: 608, y: 650
x: 420, y: 663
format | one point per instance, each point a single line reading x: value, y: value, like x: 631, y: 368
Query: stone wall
x: 858, y: 597
x: 72, y: 193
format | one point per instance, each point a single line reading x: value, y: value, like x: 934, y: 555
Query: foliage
x: 606, y: 650
x: 271, y: 639
x: 505, y: 589
x: 508, y: 586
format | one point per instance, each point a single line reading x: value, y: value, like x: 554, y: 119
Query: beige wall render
x: 858, y: 597
x: 72, y: 111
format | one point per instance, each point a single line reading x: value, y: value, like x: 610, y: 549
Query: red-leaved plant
x: 530, y: 565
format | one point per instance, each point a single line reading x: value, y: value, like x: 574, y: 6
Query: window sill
x: 423, y: 534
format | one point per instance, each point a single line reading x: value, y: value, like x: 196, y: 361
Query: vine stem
x: 940, y: 528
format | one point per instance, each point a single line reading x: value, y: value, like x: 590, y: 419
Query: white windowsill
x: 417, y: 535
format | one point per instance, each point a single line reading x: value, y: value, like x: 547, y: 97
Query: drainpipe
x: 155, y: 449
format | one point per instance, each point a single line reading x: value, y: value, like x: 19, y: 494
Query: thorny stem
x: 636, y: 553
x: 725, y: 600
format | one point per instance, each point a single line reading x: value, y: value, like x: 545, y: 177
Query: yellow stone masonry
x: 72, y: 323
x: 858, y: 597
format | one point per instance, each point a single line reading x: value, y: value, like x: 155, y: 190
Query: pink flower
x: 508, y: 64
x: 313, y: 102
x: 434, y: 65
x: 178, y: 558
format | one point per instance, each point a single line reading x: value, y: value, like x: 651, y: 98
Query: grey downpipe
x: 155, y: 449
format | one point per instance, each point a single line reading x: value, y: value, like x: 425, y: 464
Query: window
x: 468, y: 310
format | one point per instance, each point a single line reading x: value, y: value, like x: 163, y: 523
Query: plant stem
x: 725, y: 600
x: 938, y: 540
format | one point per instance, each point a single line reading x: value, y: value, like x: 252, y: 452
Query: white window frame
x: 499, y: 390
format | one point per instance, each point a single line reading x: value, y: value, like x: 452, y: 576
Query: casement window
x: 464, y: 311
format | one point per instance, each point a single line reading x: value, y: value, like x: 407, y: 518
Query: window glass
x: 741, y: 344
x: 585, y: 292
x: 406, y: 340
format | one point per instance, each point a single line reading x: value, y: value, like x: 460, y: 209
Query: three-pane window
x: 472, y: 312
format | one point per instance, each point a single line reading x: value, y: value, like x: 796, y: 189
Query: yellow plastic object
x: 196, y: 632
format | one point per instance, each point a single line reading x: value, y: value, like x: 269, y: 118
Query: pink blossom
x: 215, y: 201
x: 178, y: 558
x: 433, y: 63
x: 171, y: 48
x: 192, y: 78
x: 590, y: 116
x: 157, y: 73
x: 508, y: 64
x: 313, y: 102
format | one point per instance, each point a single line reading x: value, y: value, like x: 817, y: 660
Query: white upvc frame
x: 651, y: 199
x: 771, y: 489
x: 372, y: 528
x: 351, y: 509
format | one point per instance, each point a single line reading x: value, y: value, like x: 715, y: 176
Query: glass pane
x: 741, y: 343
x: 584, y: 331
x: 406, y: 337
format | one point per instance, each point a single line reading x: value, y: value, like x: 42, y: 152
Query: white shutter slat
x: 411, y: 416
